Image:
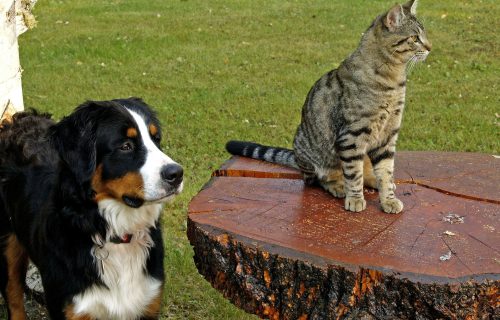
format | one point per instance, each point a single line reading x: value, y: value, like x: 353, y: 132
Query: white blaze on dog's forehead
x: 146, y: 138
x: 155, y: 161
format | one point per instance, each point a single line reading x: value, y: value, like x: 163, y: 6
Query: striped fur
x: 352, y: 115
x: 260, y: 152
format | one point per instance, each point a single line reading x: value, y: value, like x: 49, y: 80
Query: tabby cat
x: 351, y: 116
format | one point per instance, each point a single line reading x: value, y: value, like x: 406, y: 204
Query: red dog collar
x: 126, y: 238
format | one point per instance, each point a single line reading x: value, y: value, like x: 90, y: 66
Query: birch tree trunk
x: 15, y: 18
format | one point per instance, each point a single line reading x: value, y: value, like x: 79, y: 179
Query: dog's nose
x: 172, y: 173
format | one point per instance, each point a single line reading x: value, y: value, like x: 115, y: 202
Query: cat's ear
x: 394, y: 18
x: 411, y: 7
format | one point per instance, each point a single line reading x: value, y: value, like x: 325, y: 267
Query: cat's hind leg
x: 332, y: 180
x: 310, y: 179
x: 369, y: 179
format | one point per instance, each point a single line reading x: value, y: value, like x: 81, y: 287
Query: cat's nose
x: 428, y: 46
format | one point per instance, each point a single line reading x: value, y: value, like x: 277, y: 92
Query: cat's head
x: 401, y: 36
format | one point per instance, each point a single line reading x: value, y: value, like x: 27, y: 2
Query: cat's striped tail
x: 257, y: 151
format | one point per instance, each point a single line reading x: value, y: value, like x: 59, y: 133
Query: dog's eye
x: 156, y: 138
x: 127, y: 146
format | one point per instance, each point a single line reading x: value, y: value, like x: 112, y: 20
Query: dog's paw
x: 392, y: 205
x: 355, y: 204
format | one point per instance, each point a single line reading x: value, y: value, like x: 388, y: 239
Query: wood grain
x: 282, y: 250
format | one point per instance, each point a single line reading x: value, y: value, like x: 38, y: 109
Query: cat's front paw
x: 355, y: 204
x: 392, y: 205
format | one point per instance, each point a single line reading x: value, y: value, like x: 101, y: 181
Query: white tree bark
x: 15, y: 18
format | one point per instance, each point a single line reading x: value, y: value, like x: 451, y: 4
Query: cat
x: 352, y: 115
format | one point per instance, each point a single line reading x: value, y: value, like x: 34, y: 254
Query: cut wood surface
x: 282, y: 250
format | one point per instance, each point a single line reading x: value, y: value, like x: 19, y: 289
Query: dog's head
x: 113, y: 149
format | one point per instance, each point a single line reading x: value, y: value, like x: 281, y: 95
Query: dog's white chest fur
x: 128, y: 289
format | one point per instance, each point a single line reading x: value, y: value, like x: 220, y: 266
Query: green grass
x: 217, y: 70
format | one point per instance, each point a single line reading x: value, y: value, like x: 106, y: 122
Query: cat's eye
x: 127, y: 146
x: 414, y: 38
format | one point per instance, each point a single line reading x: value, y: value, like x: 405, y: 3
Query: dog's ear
x: 74, y: 137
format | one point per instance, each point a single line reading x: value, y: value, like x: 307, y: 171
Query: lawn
x: 218, y: 70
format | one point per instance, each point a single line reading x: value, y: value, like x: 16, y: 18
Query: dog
x: 82, y: 199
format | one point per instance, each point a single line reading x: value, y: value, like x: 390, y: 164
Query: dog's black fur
x: 48, y: 207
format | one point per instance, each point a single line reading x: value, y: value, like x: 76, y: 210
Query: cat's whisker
x: 414, y: 64
x: 411, y: 64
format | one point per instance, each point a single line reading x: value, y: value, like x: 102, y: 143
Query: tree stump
x: 281, y: 250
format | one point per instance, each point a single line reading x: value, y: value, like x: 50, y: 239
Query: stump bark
x: 281, y: 250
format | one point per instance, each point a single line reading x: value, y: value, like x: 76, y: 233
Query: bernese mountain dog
x: 82, y: 199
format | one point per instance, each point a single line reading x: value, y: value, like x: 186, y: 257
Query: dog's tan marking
x: 131, y: 184
x: 17, y: 264
x: 131, y: 132
x: 69, y: 312
x: 152, y: 311
x: 153, y: 130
